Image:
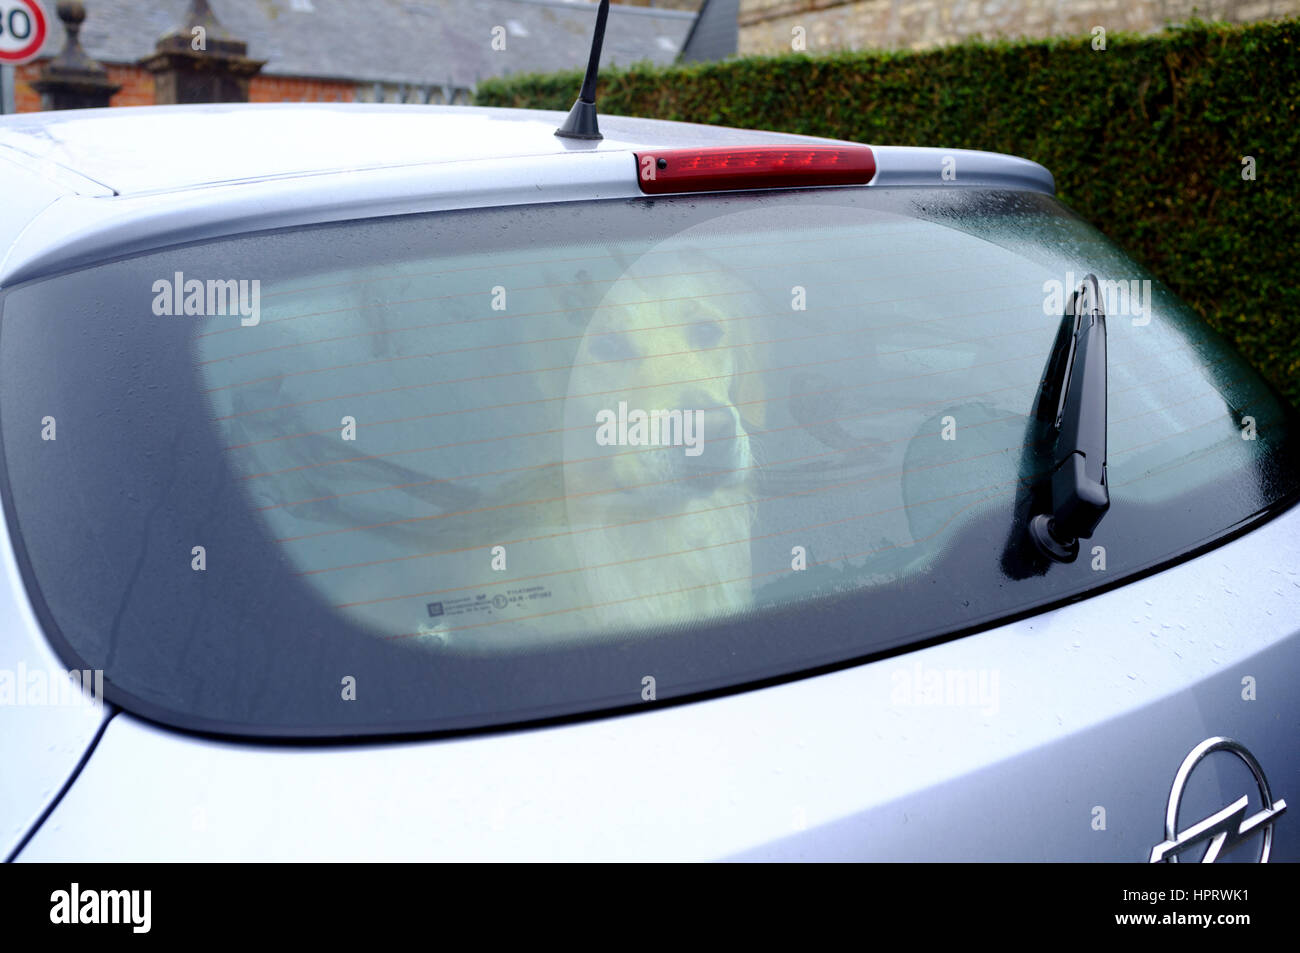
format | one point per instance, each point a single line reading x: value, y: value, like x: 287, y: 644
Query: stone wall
x: 769, y: 26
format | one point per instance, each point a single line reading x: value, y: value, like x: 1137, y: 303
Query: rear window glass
x: 488, y: 466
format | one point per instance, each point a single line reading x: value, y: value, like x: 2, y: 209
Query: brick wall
x: 137, y: 88
x: 289, y: 89
x: 136, y: 83
x: 26, y: 99
x: 766, y: 26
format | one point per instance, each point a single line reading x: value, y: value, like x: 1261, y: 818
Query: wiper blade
x: 1077, y: 379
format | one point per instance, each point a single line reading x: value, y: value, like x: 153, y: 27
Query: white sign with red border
x: 22, y: 31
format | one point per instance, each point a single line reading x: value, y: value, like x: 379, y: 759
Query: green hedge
x: 1145, y: 139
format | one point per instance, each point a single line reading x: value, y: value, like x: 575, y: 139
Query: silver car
x: 413, y: 483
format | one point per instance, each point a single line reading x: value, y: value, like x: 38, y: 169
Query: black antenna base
x: 581, y: 123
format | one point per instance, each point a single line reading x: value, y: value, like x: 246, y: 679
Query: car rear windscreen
x: 480, y: 467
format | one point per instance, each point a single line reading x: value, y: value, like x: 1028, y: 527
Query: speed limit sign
x: 22, y: 31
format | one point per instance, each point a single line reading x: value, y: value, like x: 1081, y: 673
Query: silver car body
x: 1070, y: 756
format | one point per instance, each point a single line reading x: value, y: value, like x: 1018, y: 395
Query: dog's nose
x: 716, y: 454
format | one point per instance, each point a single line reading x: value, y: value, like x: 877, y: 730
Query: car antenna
x: 581, y: 123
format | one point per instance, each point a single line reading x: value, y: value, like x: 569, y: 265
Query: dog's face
x: 675, y: 336
x: 672, y: 341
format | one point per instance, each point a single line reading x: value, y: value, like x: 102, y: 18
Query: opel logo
x: 1223, y: 829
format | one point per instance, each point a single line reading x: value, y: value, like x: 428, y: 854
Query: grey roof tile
x: 422, y: 42
x: 716, y: 34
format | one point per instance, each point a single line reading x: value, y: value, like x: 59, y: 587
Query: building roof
x: 715, y: 34
x: 422, y: 42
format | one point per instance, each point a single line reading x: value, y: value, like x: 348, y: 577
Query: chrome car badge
x: 1223, y: 829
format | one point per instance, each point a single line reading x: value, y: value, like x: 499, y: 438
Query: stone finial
x: 199, y: 20
x: 72, y: 80
x: 200, y: 61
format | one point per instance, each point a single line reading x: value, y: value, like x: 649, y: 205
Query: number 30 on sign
x: 22, y: 31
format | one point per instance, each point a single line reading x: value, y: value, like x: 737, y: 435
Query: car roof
x: 80, y: 186
x: 168, y: 148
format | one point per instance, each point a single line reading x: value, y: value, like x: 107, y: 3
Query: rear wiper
x: 1076, y: 378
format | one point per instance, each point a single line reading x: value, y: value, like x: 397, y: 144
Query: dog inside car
x: 623, y: 502
x: 660, y: 469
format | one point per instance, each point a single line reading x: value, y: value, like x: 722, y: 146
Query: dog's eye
x: 706, y: 334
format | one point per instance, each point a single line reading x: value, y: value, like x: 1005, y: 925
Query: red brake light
x: 753, y: 167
